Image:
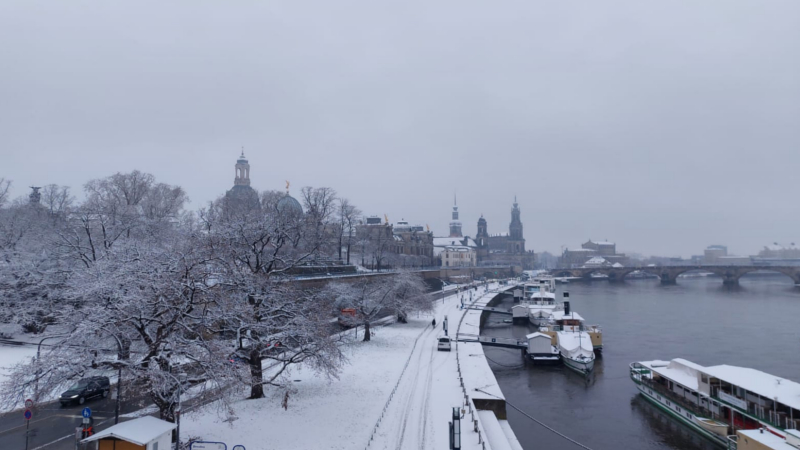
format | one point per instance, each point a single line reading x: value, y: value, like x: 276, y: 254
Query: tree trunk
x: 256, y: 374
x: 366, y: 331
x: 166, y: 409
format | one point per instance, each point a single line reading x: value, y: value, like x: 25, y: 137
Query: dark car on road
x: 85, y: 389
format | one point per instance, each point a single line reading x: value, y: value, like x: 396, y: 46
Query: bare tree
x: 152, y: 309
x: 57, y: 200
x: 252, y: 251
x: 347, y: 217
x: 372, y: 296
x: 5, y: 187
x: 320, y: 207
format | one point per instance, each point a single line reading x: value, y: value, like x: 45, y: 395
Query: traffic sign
x: 86, y: 413
x: 239, y: 447
x: 28, y: 404
x: 203, y: 445
x: 28, y: 414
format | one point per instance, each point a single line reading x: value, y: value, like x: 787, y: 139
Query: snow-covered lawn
x: 342, y: 414
x: 11, y: 355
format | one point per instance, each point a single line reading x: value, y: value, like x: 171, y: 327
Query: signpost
x: 28, y: 415
x: 87, y: 422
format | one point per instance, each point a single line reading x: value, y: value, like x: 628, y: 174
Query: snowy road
x: 428, y: 390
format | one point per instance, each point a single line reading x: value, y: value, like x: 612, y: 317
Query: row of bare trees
x: 129, y: 281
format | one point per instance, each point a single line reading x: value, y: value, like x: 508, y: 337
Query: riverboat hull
x: 582, y: 366
x: 686, y: 417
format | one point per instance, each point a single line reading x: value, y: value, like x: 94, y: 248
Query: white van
x: 443, y: 343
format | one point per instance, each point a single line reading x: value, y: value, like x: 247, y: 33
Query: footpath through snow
x: 411, y: 411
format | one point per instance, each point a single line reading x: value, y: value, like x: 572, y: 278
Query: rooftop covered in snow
x: 139, y: 431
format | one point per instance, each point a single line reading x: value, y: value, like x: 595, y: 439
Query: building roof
x: 287, y: 204
x: 458, y: 248
x: 139, y: 431
x: 536, y: 335
x: 767, y: 439
x: 761, y: 383
x: 601, y: 242
x: 450, y: 241
x: 775, y: 247
x: 584, y: 250
x: 596, y: 260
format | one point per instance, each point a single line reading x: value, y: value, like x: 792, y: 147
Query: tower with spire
x: 455, y: 224
x: 516, y: 241
x: 242, y: 197
x: 242, y: 171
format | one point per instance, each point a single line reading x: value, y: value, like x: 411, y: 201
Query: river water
x: 754, y: 325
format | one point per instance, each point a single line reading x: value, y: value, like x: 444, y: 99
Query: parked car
x: 443, y: 344
x: 85, y: 389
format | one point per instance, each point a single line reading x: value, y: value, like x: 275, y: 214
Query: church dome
x: 288, y: 204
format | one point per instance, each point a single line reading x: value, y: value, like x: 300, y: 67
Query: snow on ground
x: 342, y: 414
x: 11, y: 355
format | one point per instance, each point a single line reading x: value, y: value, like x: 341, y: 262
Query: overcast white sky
x: 662, y: 125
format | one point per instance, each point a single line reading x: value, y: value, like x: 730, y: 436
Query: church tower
x: 516, y: 243
x: 242, y: 171
x: 455, y: 225
x: 482, y: 240
x: 242, y: 196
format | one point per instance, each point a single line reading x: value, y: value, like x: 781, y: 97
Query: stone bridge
x: 668, y: 274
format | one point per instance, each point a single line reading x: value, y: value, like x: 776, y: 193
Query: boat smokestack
x: 566, y: 308
x: 566, y: 295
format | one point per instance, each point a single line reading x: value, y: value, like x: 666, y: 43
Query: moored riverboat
x: 718, y: 401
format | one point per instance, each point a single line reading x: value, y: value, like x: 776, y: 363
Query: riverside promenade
x: 396, y: 392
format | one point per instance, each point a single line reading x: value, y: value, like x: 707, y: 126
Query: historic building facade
x: 384, y: 245
x: 504, y: 249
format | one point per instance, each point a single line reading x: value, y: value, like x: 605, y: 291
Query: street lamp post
x: 119, y: 375
x: 38, y: 354
x: 177, y: 413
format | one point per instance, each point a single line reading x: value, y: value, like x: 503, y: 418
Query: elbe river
x: 755, y: 325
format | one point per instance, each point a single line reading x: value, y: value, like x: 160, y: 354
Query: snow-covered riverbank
x: 343, y: 414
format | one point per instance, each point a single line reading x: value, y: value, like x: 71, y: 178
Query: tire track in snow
x: 423, y: 435
x: 410, y: 403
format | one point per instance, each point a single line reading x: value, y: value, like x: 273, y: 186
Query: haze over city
x: 664, y: 127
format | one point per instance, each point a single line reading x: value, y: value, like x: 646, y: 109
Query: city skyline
x: 605, y: 122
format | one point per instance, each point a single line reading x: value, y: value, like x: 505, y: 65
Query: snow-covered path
x: 426, y: 393
x: 342, y: 413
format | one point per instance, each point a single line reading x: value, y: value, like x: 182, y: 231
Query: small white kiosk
x: 144, y: 433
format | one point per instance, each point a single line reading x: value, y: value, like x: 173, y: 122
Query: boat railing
x: 733, y: 442
x: 679, y: 400
x: 750, y: 411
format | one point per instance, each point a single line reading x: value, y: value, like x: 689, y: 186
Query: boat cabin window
x: 704, y: 378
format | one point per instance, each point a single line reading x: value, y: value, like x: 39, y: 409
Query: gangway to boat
x: 494, y: 341
x: 490, y: 309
